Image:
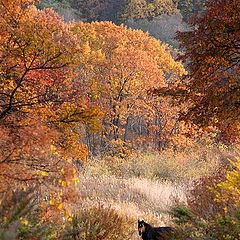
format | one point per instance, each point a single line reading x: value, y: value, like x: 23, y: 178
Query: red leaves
x: 41, y: 110
x: 213, y: 49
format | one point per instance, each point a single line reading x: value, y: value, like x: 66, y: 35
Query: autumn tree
x: 99, y: 10
x: 41, y: 107
x: 211, y: 51
x: 132, y: 63
x: 141, y: 9
x: 64, y: 8
x: 189, y: 8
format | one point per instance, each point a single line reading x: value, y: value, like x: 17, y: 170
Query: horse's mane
x: 148, y: 226
x: 159, y: 229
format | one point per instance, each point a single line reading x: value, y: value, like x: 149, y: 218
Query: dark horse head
x: 141, y: 227
x: 147, y: 232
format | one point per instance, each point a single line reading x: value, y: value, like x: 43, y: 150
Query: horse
x: 147, y: 232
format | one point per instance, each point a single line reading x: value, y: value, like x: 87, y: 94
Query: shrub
x: 188, y: 164
x: 187, y: 225
x: 202, y: 197
x: 20, y: 217
x: 213, y: 210
x: 98, y: 223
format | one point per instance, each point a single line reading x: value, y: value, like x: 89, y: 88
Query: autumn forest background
x: 113, y: 111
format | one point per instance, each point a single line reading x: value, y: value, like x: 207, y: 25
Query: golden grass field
x: 144, y: 186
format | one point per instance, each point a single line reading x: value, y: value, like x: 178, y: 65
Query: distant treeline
x: 161, y: 18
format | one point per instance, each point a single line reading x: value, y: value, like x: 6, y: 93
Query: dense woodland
x: 106, y: 103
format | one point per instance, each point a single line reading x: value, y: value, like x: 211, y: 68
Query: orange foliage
x: 41, y: 109
x: 132, y: 63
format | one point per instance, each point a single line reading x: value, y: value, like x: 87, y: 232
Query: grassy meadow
x: 146, y: 185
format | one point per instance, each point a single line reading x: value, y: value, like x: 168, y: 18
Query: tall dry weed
x: 176, y: 166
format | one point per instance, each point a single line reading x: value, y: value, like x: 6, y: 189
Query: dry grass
x: 133, y: 197
x: 145, y: 186
x: 178, y: 167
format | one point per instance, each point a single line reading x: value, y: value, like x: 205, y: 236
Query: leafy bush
x: 192, y: 227
x: 98, y: 223
x: 186, y: 223
x: 213, y: 210
x: 20, y: 217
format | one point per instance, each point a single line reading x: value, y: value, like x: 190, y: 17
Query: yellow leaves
x: 10, y: 86
x: 86, y: 49
x: 231, y: 186
x: 44, y: 173
x: 5, y: 219
x: 75, y: 180
x: 53, y: 150
x: 68, y: 215
x: 62, y: 182
x: 57, y: 203
x: 133, y: 64
x: 24, y: 221
x: 47, y: 131
x: 67, y: 183
x: 60, y: 205
x: 52, y: 202
x: 43, y: 204
x: 225, y: 209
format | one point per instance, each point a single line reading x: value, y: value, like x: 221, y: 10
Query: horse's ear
x: 138, y: 221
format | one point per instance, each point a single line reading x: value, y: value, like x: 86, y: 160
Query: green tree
x: 64, y: 8
x: 141, y: 9
x: 190, y: 8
